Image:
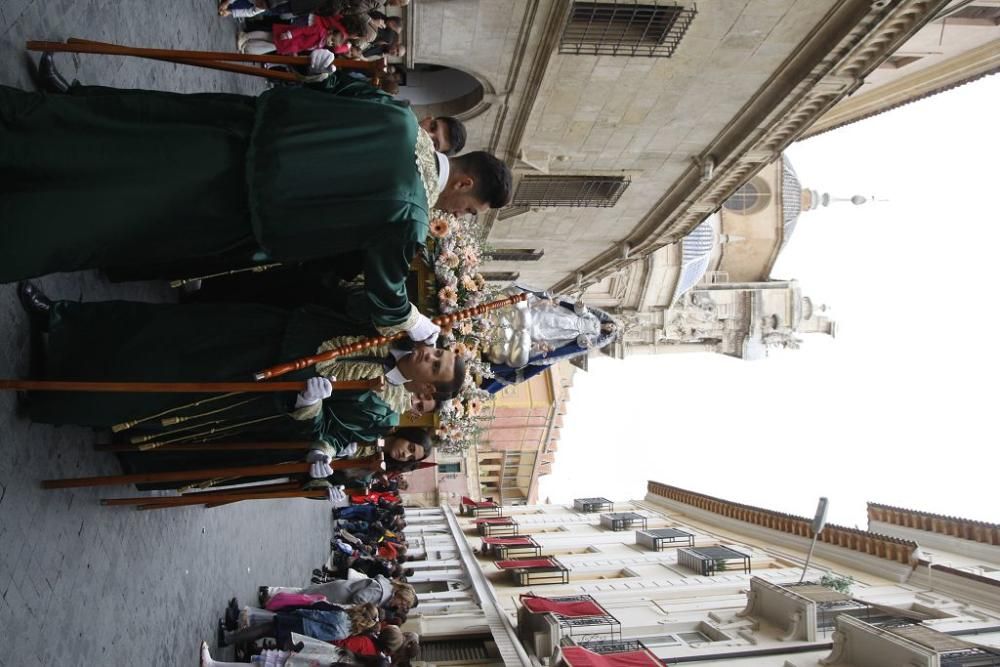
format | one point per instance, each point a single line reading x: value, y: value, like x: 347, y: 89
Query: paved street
x: 82, y: 584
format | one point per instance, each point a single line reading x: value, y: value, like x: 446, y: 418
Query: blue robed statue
x: 542, y: 331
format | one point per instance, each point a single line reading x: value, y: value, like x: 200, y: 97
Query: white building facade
x: 679, y: 577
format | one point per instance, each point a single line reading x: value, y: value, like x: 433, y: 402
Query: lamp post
x: 819, y: 521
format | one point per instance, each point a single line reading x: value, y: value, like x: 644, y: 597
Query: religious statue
x: 540, y: 332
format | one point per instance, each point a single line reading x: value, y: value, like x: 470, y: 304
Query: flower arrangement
x: 454, y: 254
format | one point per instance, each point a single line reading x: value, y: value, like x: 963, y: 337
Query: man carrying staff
x: 133, y: 178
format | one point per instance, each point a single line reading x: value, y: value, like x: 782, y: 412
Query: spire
x: 813, y: 199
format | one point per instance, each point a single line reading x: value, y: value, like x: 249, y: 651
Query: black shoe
x: 221, y: 636
x: 35, y: 304
x: 262, y: 595
x: 232, y: 618
x: 49, y: 79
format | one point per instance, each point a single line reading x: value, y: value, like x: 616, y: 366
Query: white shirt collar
x: 395, y: 376
x: 444, y: 170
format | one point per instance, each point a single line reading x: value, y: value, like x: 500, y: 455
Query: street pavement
x: 81, y: 583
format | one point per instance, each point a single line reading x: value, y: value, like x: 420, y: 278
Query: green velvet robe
x: 131, y: 341
x: 132, y: 178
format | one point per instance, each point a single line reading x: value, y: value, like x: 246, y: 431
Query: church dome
x: 696, y: 254
x: 791, y: 199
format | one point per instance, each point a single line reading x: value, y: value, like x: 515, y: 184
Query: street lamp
x: 819, y: 521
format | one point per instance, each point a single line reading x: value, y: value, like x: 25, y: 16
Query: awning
x: 526, y: 563
x: 469, y: 502
x: 499, y: 520
x: 568, y: 608
x: 575, y: 656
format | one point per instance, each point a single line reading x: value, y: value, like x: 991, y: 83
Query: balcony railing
x: 496, y: 525
x: 535, y: 571
x: 972, y: 657
x: 707, y: 561
x: 634, y: 654
x: 660, y: 539
x: 589, y: 505
x: 581, y: 616
x: 509, y: 546
x: 477, y: 508
x: 623, y: 521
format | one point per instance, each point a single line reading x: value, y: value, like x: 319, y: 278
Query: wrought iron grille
x: 623, y: 521
x: 625, y: 28
x: 708, y: 560
x: 588, y: 505
x: 516, y: 254
x: 973, y: 657
x: 512, y: 211
x: 497, y: 529
x: 660, y: 539
x: 614, y: 646
x: 588, y: 191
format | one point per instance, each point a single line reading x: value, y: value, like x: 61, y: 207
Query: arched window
x: 752, y: 197
x: 435, y: 90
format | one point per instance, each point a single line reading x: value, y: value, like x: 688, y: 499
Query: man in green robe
x: 132, y: 178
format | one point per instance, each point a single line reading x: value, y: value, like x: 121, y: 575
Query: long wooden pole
x: 233, y: 497
x: 442, y: 320
x: 208, y: 447
x: 211, y: 59
x: 203, y: 473
x: 181, y: 387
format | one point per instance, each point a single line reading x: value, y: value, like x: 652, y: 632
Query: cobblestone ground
x: 82, y: 584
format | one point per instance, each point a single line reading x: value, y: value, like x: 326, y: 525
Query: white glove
x: 424, y: 331
x: 337, y: 496
x: 321, y: 62
x: 320, y: 470
x: 316, y: 390
x: 348, y: 451
x: 320, y: 467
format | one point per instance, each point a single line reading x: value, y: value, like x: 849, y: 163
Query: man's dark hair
x: 394, y: 21
x: 494, y: 182
x: 416, y: 435
x: 453, y: 385
x: 456, y: 134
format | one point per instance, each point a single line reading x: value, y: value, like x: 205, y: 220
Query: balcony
x: 623, y: 521
x: 608, y: 654
x: 510, y: 546
x: 477, y: 508
x: 535, y: 571
x: 661, y: 539
x: 860, y: 644
x: 708, y: 561
x: 496, y: 525
x: 590, y: 505
x: 546, y: 623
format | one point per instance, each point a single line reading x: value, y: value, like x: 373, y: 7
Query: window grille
x: 516, y: 254
x: 625, y: 28
x: 501, y: 276
x: 589, y: 191
x: 446, y: 468
x: 509, y: 212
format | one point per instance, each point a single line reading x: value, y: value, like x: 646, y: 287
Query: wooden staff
x: 164, y: 502
x: 180, y: 387
x: 350, y: 348
x: 233, y: 497
x: 210, y: 59
x: 281, y: 469
x: 209, y: 447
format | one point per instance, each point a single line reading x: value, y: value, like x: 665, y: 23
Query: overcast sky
x: 901, y: 408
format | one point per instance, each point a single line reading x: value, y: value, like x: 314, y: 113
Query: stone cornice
x: 862, y: 541
x: 831, y: 63
x: 966, y: 529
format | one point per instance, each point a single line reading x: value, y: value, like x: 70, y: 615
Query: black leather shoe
x: 49, y: 78
x: 221, y: 636
x: 262, y: 595
x: 35, y: 303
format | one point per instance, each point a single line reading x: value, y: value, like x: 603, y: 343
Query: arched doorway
x: 436, y: 90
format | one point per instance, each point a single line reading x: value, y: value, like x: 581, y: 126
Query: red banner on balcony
x: 469, y: 502
x: 568, y: 608
x: 575, y: 656
x: 525, y: 563
x: 509, y: 541
x: 496, y: 520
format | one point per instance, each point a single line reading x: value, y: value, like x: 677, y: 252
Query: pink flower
x: 469, y: 283
x: 449, y: 259
x: 448, y: 295
x: 439, y: 228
